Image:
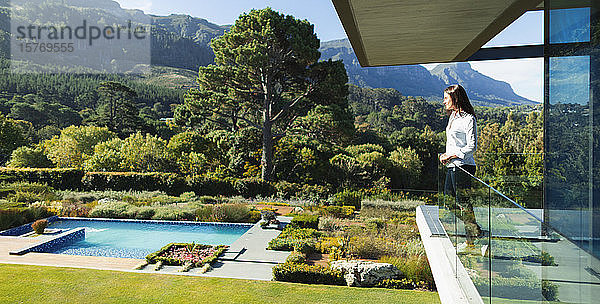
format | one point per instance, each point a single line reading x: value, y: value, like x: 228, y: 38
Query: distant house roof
x: 397, y: 32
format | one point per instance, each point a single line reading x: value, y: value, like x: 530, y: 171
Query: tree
x: 194, y: 153
x: 117, y: 109
x: 136, y: 153
x: 265, y: 76
x: 11, y: 137
x: 26, y: 157
x: 75, y: 144
x: 406, y: 168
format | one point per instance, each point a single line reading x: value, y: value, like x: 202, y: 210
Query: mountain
x: 179, y: 41
x: 410, y: 80
x: 482, y: 89
x: 183, y: 42
x: 415, y: 80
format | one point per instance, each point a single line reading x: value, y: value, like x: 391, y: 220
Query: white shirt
x: 461, y: 139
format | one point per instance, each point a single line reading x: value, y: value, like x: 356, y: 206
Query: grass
x: 37, y: 284
x: 510, y: 301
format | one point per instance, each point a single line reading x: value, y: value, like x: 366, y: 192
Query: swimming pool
x: 136, y: 239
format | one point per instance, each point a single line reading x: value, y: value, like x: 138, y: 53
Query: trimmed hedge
x: 303, y: 240
x: 155, y: 256
x: 305, y: 221
x: 306, y: 246
x: 57, y: 178
x: 202, y: 185
x: 296, y: 258
x: 337, y: 211
x: 252, y: 187
x: 302, y: 273
x: 170, y: 183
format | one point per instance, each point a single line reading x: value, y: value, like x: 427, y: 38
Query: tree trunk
x: 266, y: 161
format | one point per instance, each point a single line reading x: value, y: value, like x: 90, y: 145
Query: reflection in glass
x: 567, y: 145
x: 570, y: 25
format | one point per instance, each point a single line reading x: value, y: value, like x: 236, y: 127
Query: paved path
x: 8, y: 243
x: 255, y: 262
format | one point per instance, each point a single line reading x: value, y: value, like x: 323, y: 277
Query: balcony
x: 486, y: 247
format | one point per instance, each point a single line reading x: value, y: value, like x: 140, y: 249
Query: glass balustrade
x: 508, y: 252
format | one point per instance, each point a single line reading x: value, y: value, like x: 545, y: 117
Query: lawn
x: 37, y: 284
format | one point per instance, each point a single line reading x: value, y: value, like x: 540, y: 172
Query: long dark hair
x: 460, y: 99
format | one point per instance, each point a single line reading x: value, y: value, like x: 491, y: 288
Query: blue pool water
x: 137, y: 239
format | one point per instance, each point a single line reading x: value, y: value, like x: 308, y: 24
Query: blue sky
x: 525, y: 76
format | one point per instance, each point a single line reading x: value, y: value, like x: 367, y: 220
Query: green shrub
x: 348, y: 198
x: 113, y: 210
x: 26, y: 192
x: 212, y: 200
x: 27, y: 157
x: 330, y: 224
x: 549, y: 290
x: 171, y: 213
x: 169, y: 183
x: 543, y: 258
x: 376, y: 224
x: 337, y: 211
x: 367, y: 247
x: 56, y: 178
x: 296, y: 257
x: 299, y: 233
x: 202, y: 186
x: 403, y: 205
x: 414, y: 268
x: 206, y: 213
x: 397, y: 284
x: 251, y: 187
x: 303, y: 240
x: 253, y: 216
x: 13, y: 217
x: 144, y: 212
x: 287, y: 190
x: 305, y: 221
x: 314, y: 192
x: 39, y: 226
x: 302, y: 273
x: 306, y: 246
x: 234, y: 213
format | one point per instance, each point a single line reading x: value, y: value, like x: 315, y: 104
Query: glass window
x: 570, y: 25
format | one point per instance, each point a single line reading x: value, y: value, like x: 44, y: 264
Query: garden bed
x: 177, y: 254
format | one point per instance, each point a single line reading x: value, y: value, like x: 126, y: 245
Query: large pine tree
x: 266, y: 75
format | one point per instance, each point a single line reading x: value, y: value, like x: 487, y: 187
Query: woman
x: 461, y: 144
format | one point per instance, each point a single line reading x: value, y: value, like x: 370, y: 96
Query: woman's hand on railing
x: 445, y: 158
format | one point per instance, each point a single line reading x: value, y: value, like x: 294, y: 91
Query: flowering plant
x: 180, y: 253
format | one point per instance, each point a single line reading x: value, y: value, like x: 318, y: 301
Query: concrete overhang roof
x: 398, y: 32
